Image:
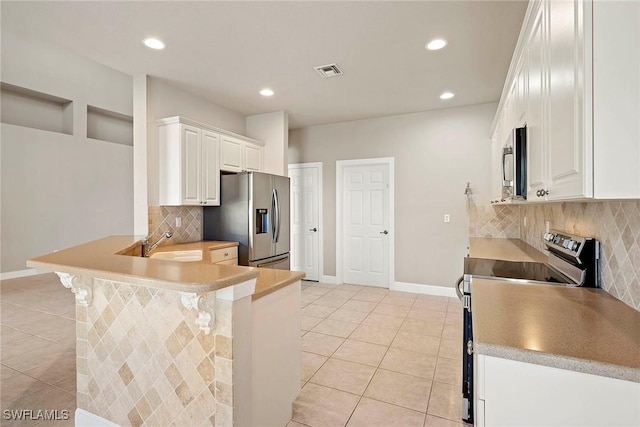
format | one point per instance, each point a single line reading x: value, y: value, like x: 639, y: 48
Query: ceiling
x: 227, y: 51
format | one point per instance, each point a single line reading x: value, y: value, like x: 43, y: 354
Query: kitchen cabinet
x: 238, y: 155
x: 224, y: 256
x: 514, y: 393
x: 575, y: 84
x: 189, y: 173
x: 191, y: 156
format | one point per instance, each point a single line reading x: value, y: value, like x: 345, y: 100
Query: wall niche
x: 36, y: 110
x: 109, y: 126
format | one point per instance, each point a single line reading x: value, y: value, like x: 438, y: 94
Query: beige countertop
x: 504, y: 249
x: 101, y: 258
x: 107, y: 258
x: 580, y: 329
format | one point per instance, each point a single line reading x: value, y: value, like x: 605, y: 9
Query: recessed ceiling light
x: 447, y: 95
x: 153, y: 43
x: 436, y: 44
x: 266, y: 92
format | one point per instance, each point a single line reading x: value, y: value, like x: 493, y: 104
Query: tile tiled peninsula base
x: 141, y: 358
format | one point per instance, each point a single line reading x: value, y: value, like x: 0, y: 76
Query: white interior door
x: 305, y: 220
x: 365, y: 218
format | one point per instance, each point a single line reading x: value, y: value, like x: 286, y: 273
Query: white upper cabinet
x: 239, y: 155
x: 575, y: 82
x: 191, y: 156
x: 189, y: 173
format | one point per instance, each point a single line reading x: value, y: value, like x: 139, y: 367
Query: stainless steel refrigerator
x: 254, y: 211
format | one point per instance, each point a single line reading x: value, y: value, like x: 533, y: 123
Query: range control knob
x: 575, y: 246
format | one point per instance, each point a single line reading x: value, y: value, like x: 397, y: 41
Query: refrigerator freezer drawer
x: 278, y: 263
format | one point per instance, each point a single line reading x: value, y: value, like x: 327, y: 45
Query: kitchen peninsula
x: 163, y: 342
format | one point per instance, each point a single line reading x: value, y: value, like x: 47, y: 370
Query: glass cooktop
x: 531, y: 271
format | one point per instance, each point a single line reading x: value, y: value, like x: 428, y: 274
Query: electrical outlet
x: 178, y: 222
x: 547, y: 226
x: 447, y: 218
x: 525, y: 221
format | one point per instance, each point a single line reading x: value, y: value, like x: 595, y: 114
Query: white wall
x: 273, y: 130
x: 435, y: 153
x: 167, y: 100
x: 60, y: 190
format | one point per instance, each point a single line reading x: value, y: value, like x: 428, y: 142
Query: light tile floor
x: 374, y: 357
x: 37, y: 355
x: 369, y: 356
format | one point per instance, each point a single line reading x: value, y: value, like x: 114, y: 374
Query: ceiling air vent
x: 330, y: 70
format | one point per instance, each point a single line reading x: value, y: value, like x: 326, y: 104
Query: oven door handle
x: 458, y: 289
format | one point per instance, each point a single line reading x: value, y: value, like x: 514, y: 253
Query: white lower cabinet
x: 512, y: 393
x: 189, y: 173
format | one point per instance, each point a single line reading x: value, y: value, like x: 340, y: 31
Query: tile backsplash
x: 615, y: 224
x: 494, y: 221
x: 163, y: 218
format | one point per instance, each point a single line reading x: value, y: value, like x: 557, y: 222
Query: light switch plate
x: 178, y: 222
x: 447, y: 218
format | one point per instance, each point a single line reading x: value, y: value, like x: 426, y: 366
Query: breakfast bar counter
x: 173, y: 339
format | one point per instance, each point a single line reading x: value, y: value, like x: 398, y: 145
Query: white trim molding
x: 329, y: 280
x: 87, y: 419
x: 20, y: 273
x: 340, y: 165
x: 320, y: 212
x: 418, y: 288
x: 82, y: 287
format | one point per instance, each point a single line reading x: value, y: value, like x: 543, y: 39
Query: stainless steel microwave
x: 514, y: 165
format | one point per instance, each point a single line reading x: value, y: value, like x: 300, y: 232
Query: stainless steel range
x: 573, y: 261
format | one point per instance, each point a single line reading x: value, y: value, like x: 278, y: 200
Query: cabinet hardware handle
x: 226, y: 254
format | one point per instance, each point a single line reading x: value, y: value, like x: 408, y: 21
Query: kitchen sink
x: 181, y: 256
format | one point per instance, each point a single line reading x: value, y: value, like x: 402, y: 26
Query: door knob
x: 384, y: 232
x: 314, y: 229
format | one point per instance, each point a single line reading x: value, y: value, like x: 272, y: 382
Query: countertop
x: 579, y: 329
x: 504, y: 249
x: 101, y: 257
x: 107, y: 258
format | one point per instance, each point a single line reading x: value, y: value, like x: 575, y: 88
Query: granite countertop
x: 579, y: 329
x: 111, y: 258
x: 504, y: 249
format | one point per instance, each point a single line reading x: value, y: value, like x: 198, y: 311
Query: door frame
x: 320, y: 217
x: 340, y: 166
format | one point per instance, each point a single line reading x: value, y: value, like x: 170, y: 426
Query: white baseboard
x: 330, y: 280
x: 424, y: 289
x: 88, y: 419
x: 19, y: 273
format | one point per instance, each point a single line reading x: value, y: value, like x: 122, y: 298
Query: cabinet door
x: 252, y: 157
x: 496, y: 169
x: 230, y: 154
x: 190, y: 141
x: 210, y: 168
x: 566, y: 153
x: 536, y: 140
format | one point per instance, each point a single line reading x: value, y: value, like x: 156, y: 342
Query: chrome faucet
x: 146, y: 248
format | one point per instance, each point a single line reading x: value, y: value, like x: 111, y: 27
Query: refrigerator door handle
x: 275, y: 192
x: 274, y: 215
